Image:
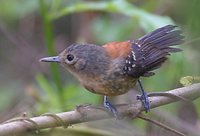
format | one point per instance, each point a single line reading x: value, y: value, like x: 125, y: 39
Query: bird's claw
x: 145, y: 101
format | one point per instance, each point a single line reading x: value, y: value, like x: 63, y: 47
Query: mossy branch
x: 90, y: 113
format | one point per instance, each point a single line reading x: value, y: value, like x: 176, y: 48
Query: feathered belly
x: 109, y: 86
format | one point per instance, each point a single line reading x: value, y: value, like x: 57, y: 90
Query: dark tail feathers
x: 150, y: 51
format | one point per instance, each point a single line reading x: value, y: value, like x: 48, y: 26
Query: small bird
x: 115, y: 68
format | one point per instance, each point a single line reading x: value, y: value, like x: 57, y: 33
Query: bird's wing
x: 150, y: 51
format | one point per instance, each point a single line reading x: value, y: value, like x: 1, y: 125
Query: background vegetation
x: 32, y: 29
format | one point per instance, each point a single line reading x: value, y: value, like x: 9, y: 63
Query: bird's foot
x: 145, y: 101
x: 110, y: 107
x: 144, y: 98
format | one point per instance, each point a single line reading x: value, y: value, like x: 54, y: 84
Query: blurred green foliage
x: 115, y: 20
x: 11, y: 10
x: 72, y: 96
x: 145, y: 19
x: 48, y: 34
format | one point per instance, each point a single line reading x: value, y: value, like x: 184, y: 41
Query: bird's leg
x: 144, y: 97
x: 110, y: 107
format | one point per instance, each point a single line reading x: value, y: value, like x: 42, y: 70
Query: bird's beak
x: 51, y: 59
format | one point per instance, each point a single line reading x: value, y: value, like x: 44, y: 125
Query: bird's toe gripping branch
x: 144, y: 98
x: 145, y: 101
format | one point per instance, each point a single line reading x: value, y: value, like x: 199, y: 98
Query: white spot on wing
x: 133, y: 65
x: 125, y: 68
x: 133, y: 54
x: 138, y: 44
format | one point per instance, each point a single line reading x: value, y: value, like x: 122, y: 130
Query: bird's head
x: 82, y: 59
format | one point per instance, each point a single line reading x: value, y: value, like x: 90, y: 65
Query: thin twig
x: 153, y: 94
x: 160, y: 124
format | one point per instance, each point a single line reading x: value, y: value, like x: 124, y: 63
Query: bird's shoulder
x: 118, y: 49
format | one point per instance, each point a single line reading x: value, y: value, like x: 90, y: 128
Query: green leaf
x: 189, y: 80
x: 146, y: 20
x: 51, y: 94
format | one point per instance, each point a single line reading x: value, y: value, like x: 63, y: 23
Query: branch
x: 90, y: 113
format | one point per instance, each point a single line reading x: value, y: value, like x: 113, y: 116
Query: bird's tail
x: 150, y: 51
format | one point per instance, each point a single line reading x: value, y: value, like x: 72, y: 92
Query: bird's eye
x: 70, y: 57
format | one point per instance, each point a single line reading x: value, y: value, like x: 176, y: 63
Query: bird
x: 115, y: 67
